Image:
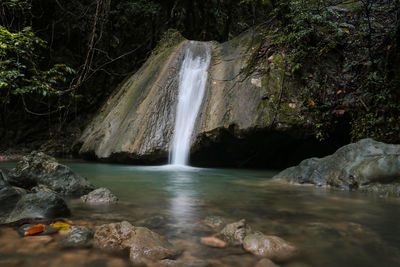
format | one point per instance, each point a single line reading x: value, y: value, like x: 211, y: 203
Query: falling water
x: 192, y: 83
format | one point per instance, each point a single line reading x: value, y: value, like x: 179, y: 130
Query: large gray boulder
x: 367, y: 165
x: 39, y: 205
x: 142, y: 243
x: 38, y: 168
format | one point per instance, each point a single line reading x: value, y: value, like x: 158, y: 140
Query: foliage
x: 20, y: 72
x: 339, y: 50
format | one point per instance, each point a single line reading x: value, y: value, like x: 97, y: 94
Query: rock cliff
x: 248, y: 117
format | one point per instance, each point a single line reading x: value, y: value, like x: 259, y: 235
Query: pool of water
x: 330, y: 228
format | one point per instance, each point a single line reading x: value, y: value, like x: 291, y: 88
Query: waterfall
x: 192, y: 84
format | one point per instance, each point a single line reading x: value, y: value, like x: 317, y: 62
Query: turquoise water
x: 331, y: 228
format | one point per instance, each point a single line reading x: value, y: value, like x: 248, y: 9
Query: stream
x: 330, y: 228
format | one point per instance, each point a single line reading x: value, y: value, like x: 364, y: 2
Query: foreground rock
x: 235, y: 233
x: 100, y: 196
x: 142, y: 243
x: 39, y: 205
x: 367, y: 165
x: 38, y: 168
x: 78, y: 238
x: 214, y: 242
x: 271, y: 247
x: 9, y: 197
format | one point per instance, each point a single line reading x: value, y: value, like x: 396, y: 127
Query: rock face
x: 141, y: 242
x: 254, y: 113
x: 235, y: 233
x: 39, y: 205
x: 100, y: 196
x: 271, y: 247
x: 367, y: 165
x: 38, y: 169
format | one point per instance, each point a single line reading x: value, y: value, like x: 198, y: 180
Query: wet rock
x: 271, y: 247
x: 39, y: 205
x: 141, y: 242
x: 153, y: 222
x: 38, y: 168
x: 266, y: 263
x: 78, y: 238
x: 214, y: 242
x: 41, y: 188
x: 9, y: 197
x: 367, y: 165
x: 3, y: 179
x: 234, y: 233
x: 215, y: 222
x: 100, y: 196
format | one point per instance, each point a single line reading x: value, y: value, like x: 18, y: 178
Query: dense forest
x: 60, y: 60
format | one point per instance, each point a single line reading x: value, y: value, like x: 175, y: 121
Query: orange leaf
x: 37, y: 228
x: 312, y: 103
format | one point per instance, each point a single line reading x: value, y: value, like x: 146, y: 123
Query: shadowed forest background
x: 61, y: 60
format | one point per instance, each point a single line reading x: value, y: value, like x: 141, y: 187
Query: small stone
x: 235, y: 233
x: 100, y: 196
x: 212, y: 241
x: 271, y: 247
x: 266, y: 263
x: 78, y: 238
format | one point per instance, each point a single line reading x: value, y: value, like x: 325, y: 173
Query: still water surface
x: 331, y: 228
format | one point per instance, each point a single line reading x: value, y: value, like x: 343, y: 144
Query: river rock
x: 38, y: 168
x: 78, y: 238
x: 3, y: 179
x: 39, y: 205
x: 213, y: 241
x: 265, y: 263
x: 41, y: 188
x: 235, y: 232
x: 141, y: 242
x: 100, y: 196
x: 9, y: 197
x: 215, y: 222
x: 367, y: 165
x: 271, y: 247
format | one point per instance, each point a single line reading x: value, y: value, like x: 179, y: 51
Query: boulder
x: 235, y: 233
x: 367, y: 165
x: 78, y: 238
x: 271, y: 247
x: 141, y: 242
x: 265, y: 263
x: 100, y: 196
x: 39, y: 205
x: 9, y: 197
x: 38, y: 168
x: 3, y: 179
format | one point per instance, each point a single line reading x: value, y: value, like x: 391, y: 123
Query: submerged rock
x: 48, y: 230
x: 271, y: 247
x: 100, y: 196
x: 367, y: 165
x: 265, y: 263
x: 235, y: 232
x: 39, y: 205
x: 215, y: 222
x: 39, y: 169
x: 213, y: 241
x: 140, y: 241
x: 78, y: 238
